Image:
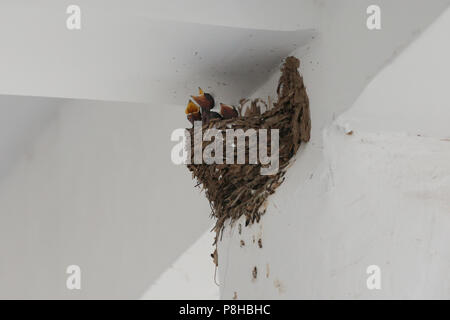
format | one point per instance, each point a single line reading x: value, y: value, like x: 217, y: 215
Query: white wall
x: 88, y: 191
x: 98, y: 189
x: 21, y: 119
x: 80, y: 182
x: 374, y: 197
x: 192, y: 276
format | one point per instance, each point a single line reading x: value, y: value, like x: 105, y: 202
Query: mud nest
x: 236, y: 190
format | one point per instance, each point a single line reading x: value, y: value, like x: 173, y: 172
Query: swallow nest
x: 236, y: 190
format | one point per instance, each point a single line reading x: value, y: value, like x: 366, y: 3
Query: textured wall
x: 377, y: 196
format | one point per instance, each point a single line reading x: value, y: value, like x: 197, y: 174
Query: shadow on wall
x: 97, y: 189
x: 21, y: 120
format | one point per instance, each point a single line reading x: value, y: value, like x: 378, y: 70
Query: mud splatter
x: 279, y: 285
x: 255, y: 273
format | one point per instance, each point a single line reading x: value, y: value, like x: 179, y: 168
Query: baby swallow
x: 204, y: 100
x: 193, y: 112
x: 206, y: 103
x: 228, y: 112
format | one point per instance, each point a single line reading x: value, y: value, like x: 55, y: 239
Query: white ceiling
x: 123, y: 54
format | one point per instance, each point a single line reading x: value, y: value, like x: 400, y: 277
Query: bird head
x: 228, y: 112
x: 193, y: 112
x: 191, y: 108
x: 204, y: 100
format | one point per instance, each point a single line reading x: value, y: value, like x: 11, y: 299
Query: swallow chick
x: 228, y: 112
x: 193, y: 112
x: 204, y: 100
x: 206, y: 103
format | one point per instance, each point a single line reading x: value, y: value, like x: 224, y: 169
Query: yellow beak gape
x: 192, y: 107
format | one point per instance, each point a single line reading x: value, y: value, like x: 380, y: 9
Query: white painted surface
x: 82, y: 187
x: 123, y: 55
x: 190, y: 277
x: 85, y: 191
x: 376, y: 197
x: 97, y: 189
x: 21, y: 119
x: 287, y: 15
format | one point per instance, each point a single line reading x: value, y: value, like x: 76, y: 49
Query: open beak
x: 192, y: 108
x: 193, y: 112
